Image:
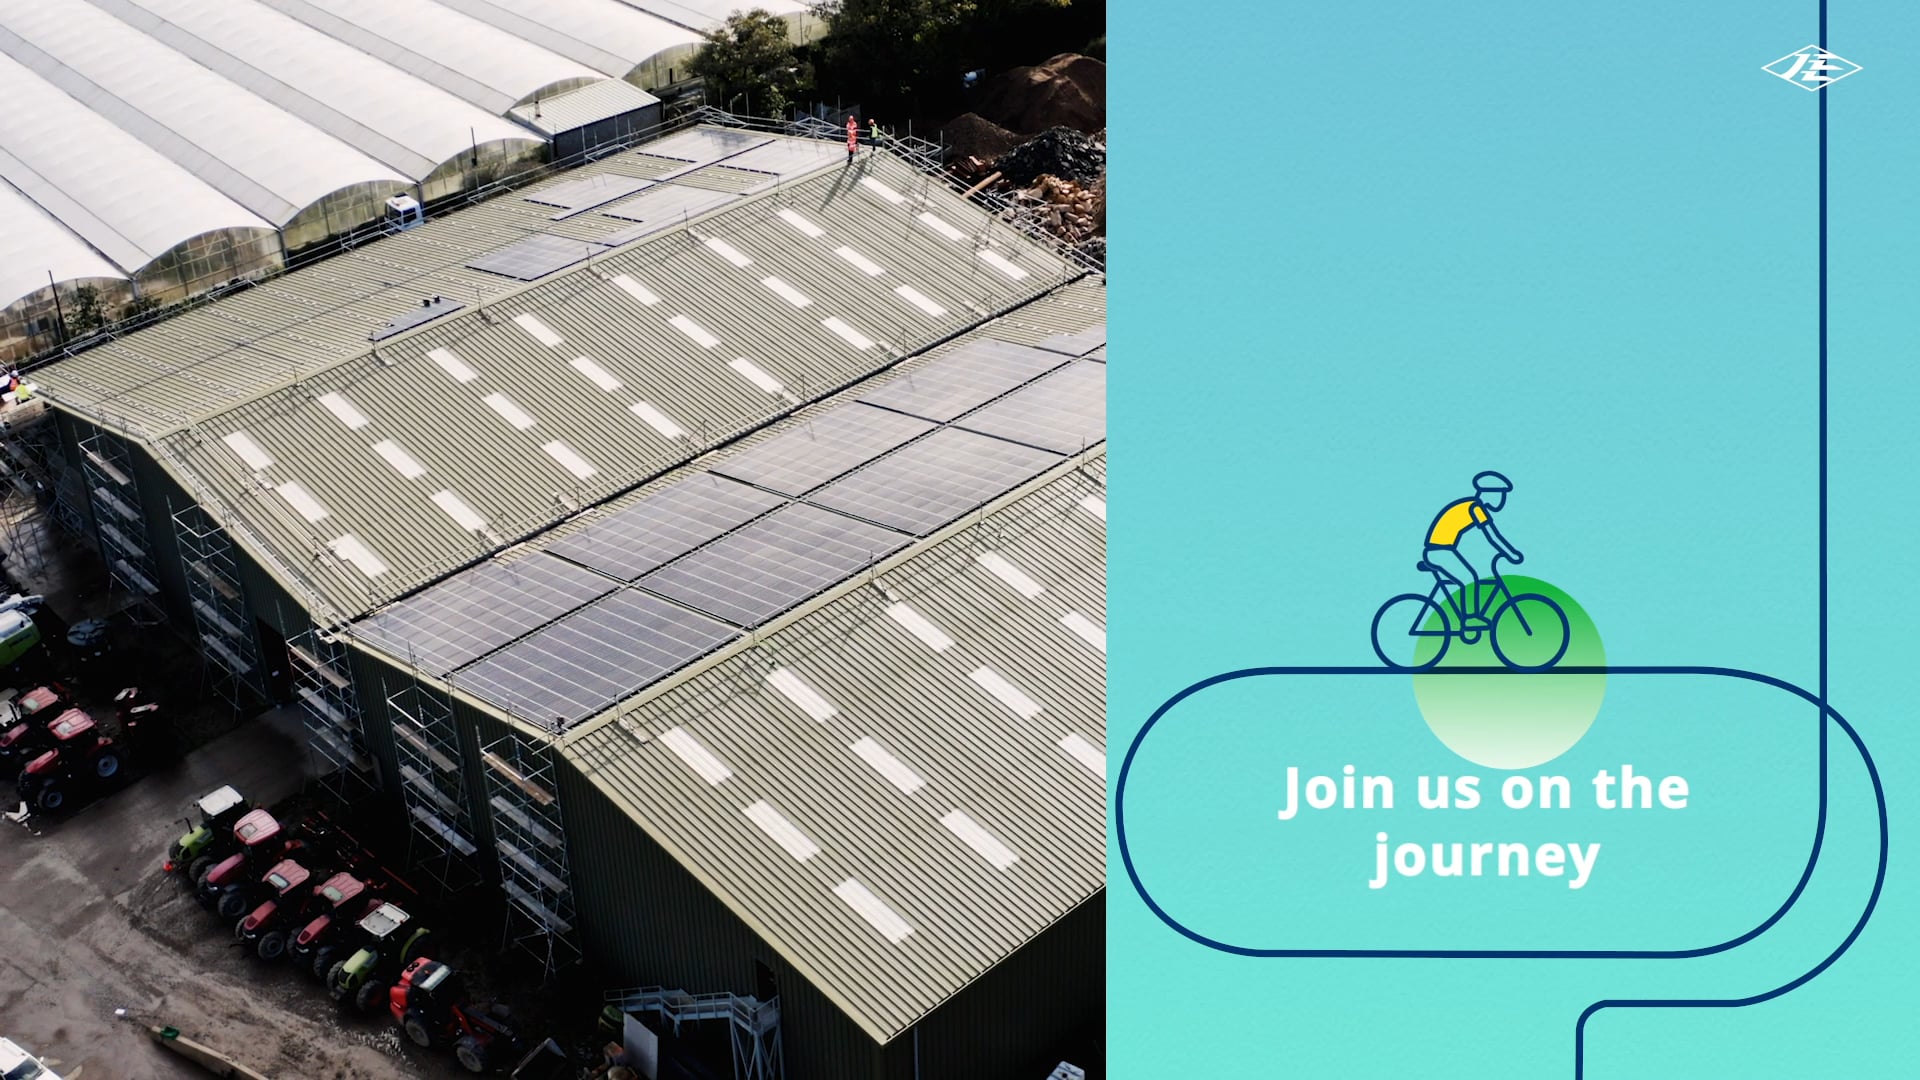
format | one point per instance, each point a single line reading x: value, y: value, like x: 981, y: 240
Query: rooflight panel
x: 797, y: 691
x: 541, y: 332
x: 459, y: 369
x: 596, y: 374
x: 397, y: 456
x: 942, y: 226
x: 896, y: 772
x: 728, y: 252
x: 799, y: 221
x: 756, y: 375
x: 302, y: 500
x: 787, y: 292
x: 580, y: 467
x: 701, y: 335
x: 1095, y: 505
x: 1003, y: 264
x: 345, y: 411
x: 1006, y: 693
x: 657, y: 420
x: 459, y: 510
x: 920, y: 300
x: 509, y: 411
x: 250, y: 452
x: 350, y: 548
x: 636, y: 290
x: 920, y: 627
x: 975, y: 835
x: 891, y: 196
x: 1015, y: 578
x: 1085, y: 629
x: 1084, y: 752
x: 875, y: 910
x: 695, y: 756
x: 782, y: 831
x: 847, y: 333
x: 865, y: 265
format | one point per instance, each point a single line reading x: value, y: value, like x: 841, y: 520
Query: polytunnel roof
x: 705, y: 14
x: 127, y: 200
x: 604, y: 34
x: 33, y: 245
x: 410, y: 124
x: 262, y: 157
x: 458, y: 53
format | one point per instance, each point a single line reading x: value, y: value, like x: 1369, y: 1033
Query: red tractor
x: 340, y: 902
x: 81, y: 755
x: 223, y: 887
x: 265, y: 927
x: 23, y: 726
x: 430, y: 1002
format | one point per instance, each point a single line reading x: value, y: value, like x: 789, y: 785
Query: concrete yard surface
x: 89, y: 923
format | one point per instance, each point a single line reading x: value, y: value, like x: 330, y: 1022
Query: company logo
x: 1812, y: 68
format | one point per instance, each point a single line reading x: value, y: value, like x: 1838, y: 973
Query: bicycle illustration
x: 1528, y: 631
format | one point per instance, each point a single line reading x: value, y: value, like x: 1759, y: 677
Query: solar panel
x: 963, y: 379
x: 790, y: 157
x: 1099, y: 354
x: 427, y: 311
x: 756, y: 572
x: 1064, y: 412
x: 1079, y: 343
x: 665, y: 525
x: 822, y: 448
x: 587, y: 661
x: 924, y: 486
x: 481, y: 609
x: 703, y: 145
x: 667, y: 205
x: 535, y: 257
x: 589, y: 191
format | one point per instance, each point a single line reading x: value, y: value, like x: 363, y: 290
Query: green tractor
x: 384, y: 942
x: 220, y: 810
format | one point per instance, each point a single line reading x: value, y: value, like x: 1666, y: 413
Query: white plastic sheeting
x: 261, y: 156
x: 410, y: 124
x: 33, y: 245
x: 604, y: 34
x: 121, y: 196
x: 462, y: 55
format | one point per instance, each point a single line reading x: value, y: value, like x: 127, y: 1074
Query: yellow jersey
x: 1455, y: 519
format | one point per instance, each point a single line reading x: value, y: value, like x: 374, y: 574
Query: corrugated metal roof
x: 582, y: 106
x: 919, y: 782
x: 258, y: 362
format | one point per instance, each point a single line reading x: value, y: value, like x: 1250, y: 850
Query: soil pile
x: 1069, y: 90
x: 971, y: 135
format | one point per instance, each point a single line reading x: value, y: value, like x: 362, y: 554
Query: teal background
x: 1364, y: 250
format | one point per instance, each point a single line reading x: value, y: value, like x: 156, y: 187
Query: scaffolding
x: 433, y: 785
x: 754, y: 1024
x: 330, y: 706
x: 220, y: 617
x: 531, y: 840
x: 120, y: 522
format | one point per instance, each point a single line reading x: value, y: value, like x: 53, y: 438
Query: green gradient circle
x: 1512, y: 721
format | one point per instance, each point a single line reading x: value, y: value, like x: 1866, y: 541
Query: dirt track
x: 88, y: 924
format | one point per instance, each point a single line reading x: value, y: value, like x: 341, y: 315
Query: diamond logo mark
x: 1812, y: 68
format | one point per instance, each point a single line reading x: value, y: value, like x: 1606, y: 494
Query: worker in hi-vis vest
x: 1461, y: 517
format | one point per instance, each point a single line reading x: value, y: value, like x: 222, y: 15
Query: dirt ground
x: 90, y: 924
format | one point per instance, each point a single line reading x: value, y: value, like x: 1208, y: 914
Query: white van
x: 17, y: 1064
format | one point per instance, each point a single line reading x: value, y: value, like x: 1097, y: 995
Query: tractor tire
x: 199, y: 870
x: 337, y: 979
x: 272, y: 946
x: 232, y: 904
x: 472, y: 1054
x: 322, y: 961
x: 107, y: 765
x: 417, y: 1030
x: 51, y: 799
x: 371, y: 995
x: 175, y: 853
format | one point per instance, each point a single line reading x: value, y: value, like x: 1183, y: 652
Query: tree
x: 88, y: 314
x: 749, y: 59
x: 908, y: 49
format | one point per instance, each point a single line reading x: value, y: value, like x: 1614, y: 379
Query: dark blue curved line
x: 1873, y: 901
x: 1806, y: 874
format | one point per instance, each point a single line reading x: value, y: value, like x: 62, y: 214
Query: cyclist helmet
x: 1491, y: 481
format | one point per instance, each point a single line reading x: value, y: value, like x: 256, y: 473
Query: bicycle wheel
x: 1530, y: 633
x: 1406, y: 628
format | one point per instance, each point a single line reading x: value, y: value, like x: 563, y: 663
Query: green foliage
x: 906, y: 48
x: 140, y: 306
x: 750, y: 58
x: 87, y: 314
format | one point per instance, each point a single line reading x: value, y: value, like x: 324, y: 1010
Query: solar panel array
x: 667, y: 205
x: 1079, y: 343
x: 424, y: 313
x: 824, y: 447
x: 704, y: 145
x: 589, y: 192
x: 964, y: 379
x: 475, y: 612
x: 1065, y: 412
x: 665, y: 525
x: 933, y: 481
x: 535, y: 257
x: 761, y: 570
x: 592, y: 658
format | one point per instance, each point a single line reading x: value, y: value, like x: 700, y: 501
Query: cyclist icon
x: 1528, y: 631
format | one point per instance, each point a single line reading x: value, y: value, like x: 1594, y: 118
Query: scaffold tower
x: 214, y: 592
x: 433, y: 784
x: 330, y: 705
x: 119, y: 521
x: 530, y: 838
